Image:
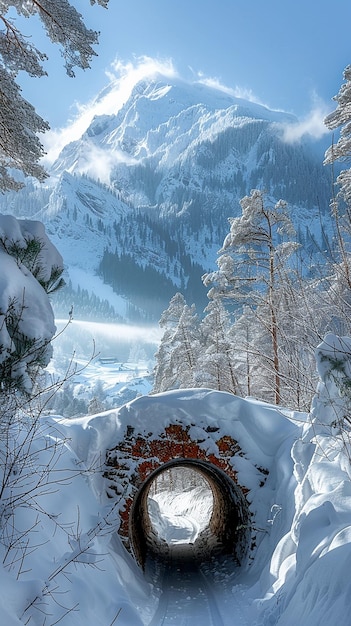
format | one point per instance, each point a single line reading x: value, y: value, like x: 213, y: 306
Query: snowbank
x: 306, y: 580
x: 58, y: 563
x: 63, y: 557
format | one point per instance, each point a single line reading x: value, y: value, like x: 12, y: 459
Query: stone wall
x: 131, y: 463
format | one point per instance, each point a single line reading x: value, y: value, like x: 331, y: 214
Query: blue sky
x: 287, y: 54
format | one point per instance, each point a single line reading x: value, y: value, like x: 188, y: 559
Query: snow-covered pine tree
x: 168, y: 321
x: 177, y: 355
x: 185, y: 348
x: 300, y: 316
x: 341, y: 201
x: 31, y: 267
x: 341, y: 119
x: 246, y: 336
x: 20, y: 148
x: 252, y: 266
x: 215, y: 367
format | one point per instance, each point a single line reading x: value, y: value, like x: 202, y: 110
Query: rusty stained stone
x: 167, y: 450
x: 124, y: 515
x: 228, y: 446
x: 136, y: 447
x: 146, y: 468
x: 146, y: 455
x: 176, y: 432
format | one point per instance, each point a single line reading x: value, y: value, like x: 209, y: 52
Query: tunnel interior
x: 225, y: 531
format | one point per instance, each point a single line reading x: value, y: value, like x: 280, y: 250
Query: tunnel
x: 228, y: 530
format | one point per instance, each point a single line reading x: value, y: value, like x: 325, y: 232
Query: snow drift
x: 63, y: 561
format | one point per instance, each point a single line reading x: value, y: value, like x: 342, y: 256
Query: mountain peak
x: 160, y: 119
x: 172, y: 95
x: 143, y: 197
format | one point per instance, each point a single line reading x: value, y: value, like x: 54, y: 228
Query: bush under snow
x: 30, y: 267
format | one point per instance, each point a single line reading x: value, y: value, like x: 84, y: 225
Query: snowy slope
x: 173, y: 136
x: 79, y: 205
x: 156, y: 182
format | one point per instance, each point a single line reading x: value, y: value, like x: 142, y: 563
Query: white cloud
x: 98, y: 162
x: 311, y: 125
x: 122, y: 77
x: 237, y: 92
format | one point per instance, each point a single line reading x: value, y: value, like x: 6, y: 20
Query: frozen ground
x: 190, y: 591
x: 62, y: 560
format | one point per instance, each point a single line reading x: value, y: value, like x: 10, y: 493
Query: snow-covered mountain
x: 142, y: 198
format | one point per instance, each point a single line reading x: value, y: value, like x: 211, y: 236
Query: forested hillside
x: 142, y: 200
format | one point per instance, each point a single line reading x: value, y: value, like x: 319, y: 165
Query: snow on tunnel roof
x: 259, y: 428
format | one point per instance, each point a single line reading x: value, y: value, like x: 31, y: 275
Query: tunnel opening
x: 180, y: 505
x: 222, y: 526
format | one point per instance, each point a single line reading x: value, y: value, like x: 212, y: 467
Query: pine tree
x: 215, y: 367
x: 177, y: 355
x: 341, y: 118
x: 31, y: 268
x: 168, y: 321
x: 20, y: 148
x: 341, y: 151
x: 252, y: 266
x: 185, y: 349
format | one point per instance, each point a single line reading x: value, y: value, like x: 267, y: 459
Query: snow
x: 172, y: 518
x: 19, y: 287
x: 63, y: 561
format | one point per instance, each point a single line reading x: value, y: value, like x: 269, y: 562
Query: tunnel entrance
x: 180, y: 505
x: 221, y: 526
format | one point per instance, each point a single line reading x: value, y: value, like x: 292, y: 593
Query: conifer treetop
x: 20, y: 147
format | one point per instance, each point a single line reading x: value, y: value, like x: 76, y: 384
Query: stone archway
x: 214, y: 430
x: 229, y: 527
x: 139, y: 456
